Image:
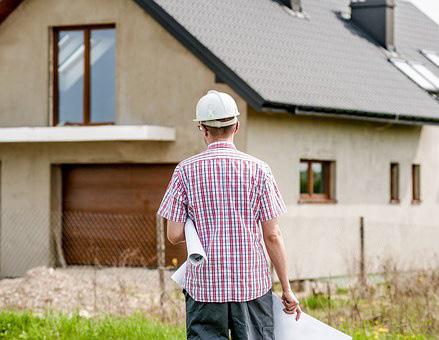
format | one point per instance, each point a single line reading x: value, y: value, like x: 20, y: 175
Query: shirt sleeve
x: 174, y: 202
x: 272, y: 204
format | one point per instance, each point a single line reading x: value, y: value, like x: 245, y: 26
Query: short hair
x: 221, y: 132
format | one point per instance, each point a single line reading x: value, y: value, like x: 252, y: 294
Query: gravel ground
x: 91, y: 291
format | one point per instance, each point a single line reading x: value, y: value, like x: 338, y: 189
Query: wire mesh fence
x: 93, y: 263
x: 101, y: 263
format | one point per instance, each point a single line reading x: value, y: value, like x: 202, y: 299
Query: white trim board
x: 87, y: 133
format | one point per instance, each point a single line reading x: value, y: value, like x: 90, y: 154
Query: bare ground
x: 90, y: 291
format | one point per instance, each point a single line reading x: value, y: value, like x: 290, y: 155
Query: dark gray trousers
x: 250, y: 320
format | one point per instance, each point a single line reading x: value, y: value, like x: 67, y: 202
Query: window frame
x: 394, y: 183
x: 432, y: 56
x: 86, y: 105
x: 310, y: 196
x: 416, y: 183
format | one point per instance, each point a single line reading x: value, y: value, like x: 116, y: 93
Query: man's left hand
x: 291, y: 304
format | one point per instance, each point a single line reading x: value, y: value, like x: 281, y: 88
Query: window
x: 432, y: 56
x: 84, y: 75
x: 426, y: 73
x: 418, y: 73
x: 394, y: 183
x: 416, y: 183
x: 316, y: 181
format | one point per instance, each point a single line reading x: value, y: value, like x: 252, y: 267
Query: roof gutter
x: 304, y: 110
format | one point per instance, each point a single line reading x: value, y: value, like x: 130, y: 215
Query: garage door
x: 109, y: 214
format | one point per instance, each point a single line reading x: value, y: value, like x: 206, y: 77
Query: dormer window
x: 432, y: 56
x: 417, y: 72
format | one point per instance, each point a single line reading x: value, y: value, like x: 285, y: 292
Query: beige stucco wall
x: 323, y: 239
x: 158, y: 82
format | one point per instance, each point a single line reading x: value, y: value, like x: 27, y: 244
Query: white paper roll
x: 195, y: 250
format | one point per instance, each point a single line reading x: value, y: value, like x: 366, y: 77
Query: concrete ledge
x: 87, y: 133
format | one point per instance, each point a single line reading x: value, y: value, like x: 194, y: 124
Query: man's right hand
x: 291, y: 304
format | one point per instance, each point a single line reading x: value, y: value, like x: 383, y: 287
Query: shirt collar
x: 221, y: 144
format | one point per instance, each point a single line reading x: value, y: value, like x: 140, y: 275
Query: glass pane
x: 394, y: 181
x: 303, y: 177
x: 409, y: 71
x: 430, y: 76
x: 102, y: 73
x: 70, y: 76
x: 416, y: 182
x: 318, y: 178
x: 432, y: 56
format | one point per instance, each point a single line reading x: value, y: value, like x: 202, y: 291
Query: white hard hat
x: 215, y: 106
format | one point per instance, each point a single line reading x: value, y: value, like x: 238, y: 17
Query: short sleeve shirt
x: 227, y: 193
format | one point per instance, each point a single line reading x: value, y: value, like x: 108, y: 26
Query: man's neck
x: 226, y: 140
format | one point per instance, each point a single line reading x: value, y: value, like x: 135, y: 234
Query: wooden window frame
x: 86, y: 111
x: 394, y: 199
x: 329, y: 182
x: 416, y: 184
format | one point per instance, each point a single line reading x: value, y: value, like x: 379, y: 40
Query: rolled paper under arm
x: 195, y: 250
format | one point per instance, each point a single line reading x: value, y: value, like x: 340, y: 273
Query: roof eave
x: 305, y: 110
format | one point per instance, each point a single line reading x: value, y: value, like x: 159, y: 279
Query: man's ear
x: 236, y: 127
x: 205, y: 131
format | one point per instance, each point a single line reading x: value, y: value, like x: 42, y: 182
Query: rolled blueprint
x: 285, y: 325
x: 195, y: 252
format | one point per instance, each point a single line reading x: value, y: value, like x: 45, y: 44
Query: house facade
x: 96, y: 110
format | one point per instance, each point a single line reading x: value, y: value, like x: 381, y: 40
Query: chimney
x: 376, y: 17
x: 295, y: 5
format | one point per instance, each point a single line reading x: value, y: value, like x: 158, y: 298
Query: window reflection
x: 70, y: 76
x: 303, y: 177
x: 102, y: 60
x: 318, y: 179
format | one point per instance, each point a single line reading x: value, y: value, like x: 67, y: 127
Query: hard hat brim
x: 219, y: 124
x: 203, y: 120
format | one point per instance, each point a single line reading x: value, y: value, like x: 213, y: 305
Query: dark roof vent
x: 295, y: 5
x: 377, y: 18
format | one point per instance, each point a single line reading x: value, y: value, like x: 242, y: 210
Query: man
x: 234, y: 202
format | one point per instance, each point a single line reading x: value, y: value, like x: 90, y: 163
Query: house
x: 96, y: 107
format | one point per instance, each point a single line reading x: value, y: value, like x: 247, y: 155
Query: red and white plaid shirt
x: 227, y: 193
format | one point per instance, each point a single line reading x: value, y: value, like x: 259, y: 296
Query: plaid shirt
x: 227, y: 193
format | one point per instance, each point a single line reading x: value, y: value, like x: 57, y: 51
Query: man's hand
x: 291, y: 304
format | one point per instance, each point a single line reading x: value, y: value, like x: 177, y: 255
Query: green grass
x: 316, y: 301
x: 401, y: 306
x: 25, y: 325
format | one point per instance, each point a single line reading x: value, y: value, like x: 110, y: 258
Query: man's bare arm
x: 175, y: 232
x: 276, y: 250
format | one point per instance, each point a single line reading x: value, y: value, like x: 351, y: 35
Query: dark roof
x: 7, y: 7
x: 321, y: 64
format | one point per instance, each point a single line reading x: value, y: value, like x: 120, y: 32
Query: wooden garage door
x: 109, y: 214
